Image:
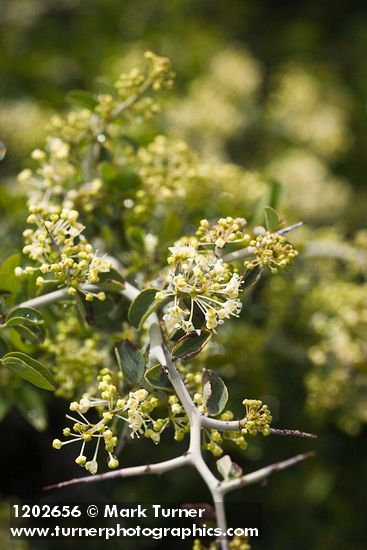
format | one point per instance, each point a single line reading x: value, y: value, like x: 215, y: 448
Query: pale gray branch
x: 221, y: 425
x: 263, y: 473
x: 158, y: 468
x: 239, y: 254
x: 290, y: 228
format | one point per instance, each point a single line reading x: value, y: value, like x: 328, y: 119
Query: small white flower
x: 91, y: 466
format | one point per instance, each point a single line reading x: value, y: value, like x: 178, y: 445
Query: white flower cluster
x: 138, y: 406
x: 201, y: 281
x: 226, y: 230
x: 57, y: 243
x: 135, y: 409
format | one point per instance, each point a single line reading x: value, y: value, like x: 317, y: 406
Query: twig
x: 290, y: 228
x: 221, y: 425
x: 294, y: 433
x: 236, y: 425
x: 131, y: 99
x: 158, y: 468
x: 263, y: 473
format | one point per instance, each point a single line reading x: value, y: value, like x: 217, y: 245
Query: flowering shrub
x: 109, y: 221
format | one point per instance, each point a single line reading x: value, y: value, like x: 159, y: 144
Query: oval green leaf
x: 29, y: 369
x: 8, y: 280
x: 271, y: 218
x: 131, y: 361
x: 275, y: 192
x: 157, y: 378
x: 143, y: 305
x: 20, y: 315
x: 215, y: 393
x: 190, y: 345
x: 31, y: 334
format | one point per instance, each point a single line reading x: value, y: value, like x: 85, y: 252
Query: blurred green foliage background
x: 280, y: 89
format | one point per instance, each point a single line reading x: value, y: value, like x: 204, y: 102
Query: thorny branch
x: 194, y: 457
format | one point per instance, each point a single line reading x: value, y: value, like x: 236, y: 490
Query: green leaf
x: 270, y: 198
x: 177, y: 334
x: 107, y: 316
x: 20, y: 315
x: 215, y: 393
x: 15, y: 342
x: 271, y: 218
x: 28, y: 322
x: 83, y: 99
x: 275, y: 192
x: 131, y: 361
x: 190, y: 345
x: 143, y: 305
x: 8, y: 280
x: 30, y: 404
x: 157, y: 378
x: 10, y: 263
x: 31, y: 334
x: 28, y: 368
